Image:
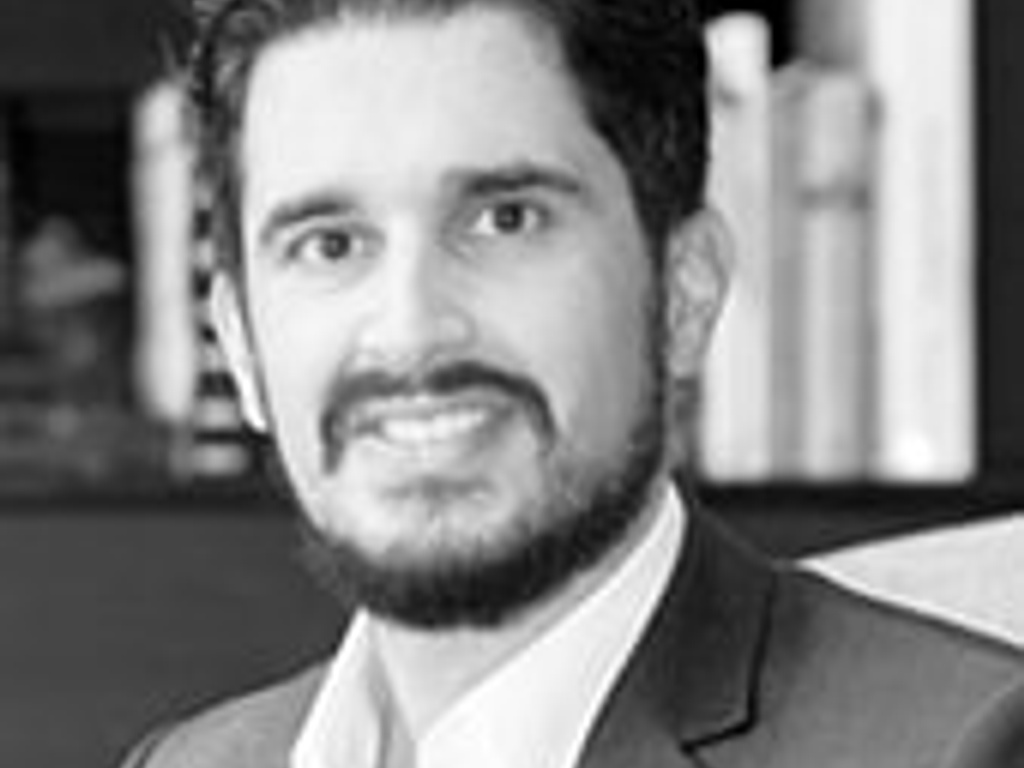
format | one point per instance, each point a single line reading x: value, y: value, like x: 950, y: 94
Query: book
x: 166, y: 354
x: 824, y: 268
x: 918, y: 55
x: 735, y: 442
x: 785, y: 282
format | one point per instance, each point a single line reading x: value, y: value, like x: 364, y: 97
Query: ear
x: 227, y: 314
x: 698, y: 266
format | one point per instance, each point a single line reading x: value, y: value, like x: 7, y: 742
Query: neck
x: 428, y: 670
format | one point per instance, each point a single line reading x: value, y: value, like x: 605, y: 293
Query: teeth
x: 419, y: 431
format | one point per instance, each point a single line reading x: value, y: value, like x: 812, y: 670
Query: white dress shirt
x: 534, y: 711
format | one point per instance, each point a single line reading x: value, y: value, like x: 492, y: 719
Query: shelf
x: 947, y: 499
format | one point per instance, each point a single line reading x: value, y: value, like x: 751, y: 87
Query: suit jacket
x: 745, y: 663
x: 995, y: 738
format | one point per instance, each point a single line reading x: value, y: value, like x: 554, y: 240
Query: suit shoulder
x: 816, y: 610
x: 257, y: 728
x: 877, y: 673
x: 995, y: 738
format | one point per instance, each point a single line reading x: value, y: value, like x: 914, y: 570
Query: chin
x: 482, y: 564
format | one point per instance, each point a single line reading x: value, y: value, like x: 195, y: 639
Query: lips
x: 447, y: 413
x: 428, y: 422
x: 419, y: 432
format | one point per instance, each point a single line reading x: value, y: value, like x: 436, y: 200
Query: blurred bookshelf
x: 73, y: 423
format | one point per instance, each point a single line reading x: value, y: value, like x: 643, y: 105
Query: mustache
x: 352, y: 390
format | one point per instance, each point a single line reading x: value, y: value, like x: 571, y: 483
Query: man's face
x: 447, y: 318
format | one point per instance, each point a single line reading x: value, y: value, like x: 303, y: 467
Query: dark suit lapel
x: 690, y: 681
x: 692, y: 678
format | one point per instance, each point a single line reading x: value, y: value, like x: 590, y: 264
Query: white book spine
x: 919, y: 55
x: 165, y: 363
x: 735, y: 438
x: 835, y: 192
x: 786, y: 277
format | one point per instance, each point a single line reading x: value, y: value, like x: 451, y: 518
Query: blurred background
x: 866, y: 382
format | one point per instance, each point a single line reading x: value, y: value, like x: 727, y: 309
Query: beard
x: 584, y: 508
x: 584, y: 514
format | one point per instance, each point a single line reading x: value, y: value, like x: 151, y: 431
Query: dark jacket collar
x: 693, y: 676
x: 691, y: 679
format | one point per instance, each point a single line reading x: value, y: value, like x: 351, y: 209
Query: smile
x: 425, y: 423
x: 423, y: 432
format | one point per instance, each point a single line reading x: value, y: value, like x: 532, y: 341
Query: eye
x: 509, y: 218
x: 328, y: 245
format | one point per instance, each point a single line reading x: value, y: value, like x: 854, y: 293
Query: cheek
x: 297, y: 360
x: 592, y: 358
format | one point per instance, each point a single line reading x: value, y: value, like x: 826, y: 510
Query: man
x: 467, y: 277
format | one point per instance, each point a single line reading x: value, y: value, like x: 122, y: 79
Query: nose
x: 416, y: 311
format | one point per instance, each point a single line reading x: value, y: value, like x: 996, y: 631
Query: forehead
x: 397, y: 98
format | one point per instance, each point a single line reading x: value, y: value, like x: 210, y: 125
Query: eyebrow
x: 517, y: 177
x: 318, y: 204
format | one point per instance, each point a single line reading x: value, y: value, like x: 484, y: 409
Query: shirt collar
x: 552, y: 689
